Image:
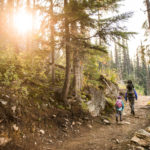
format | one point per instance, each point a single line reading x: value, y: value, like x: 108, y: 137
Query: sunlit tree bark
x: 66, y: 86
x: 148, y: 11
x: 28, y: 34
x: 52, y: 41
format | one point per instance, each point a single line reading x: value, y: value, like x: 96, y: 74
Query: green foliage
x: 139, y: 89
x: 26, y: 74
x: 84, y: 106
x: 60, y: 107
x: 110, y: 103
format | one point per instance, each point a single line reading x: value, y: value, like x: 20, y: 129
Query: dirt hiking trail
x: 113, y: 136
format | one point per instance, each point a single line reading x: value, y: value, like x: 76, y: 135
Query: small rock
x: 64, y: 130
x: 42, y: 131
x: 73, y: 123
x: 60, y: 141
x: 128, y: 123
x: 54, y: 116
x: 50, y: 141
x: 4, y: 141
x: 86, y: 118
x: 139, y: 148
x: 117, y: 141
x: 90, y: 126
x: 15, y: 127
x: 106, y: 121
x: 13, y: 109
x: 66, y: 120
x: 79, y: 123
x: 77, y: 131
x: 3, y: 102
x: 1, y: 120
x: 7, y: 96
x: 35, y: 143
x: 148, y: 129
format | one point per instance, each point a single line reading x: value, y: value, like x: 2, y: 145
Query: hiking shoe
x: 117, y: 120
x: 133, y: 113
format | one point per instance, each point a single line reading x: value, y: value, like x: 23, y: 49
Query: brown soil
x: 65, y: 131
x: 107, y: 137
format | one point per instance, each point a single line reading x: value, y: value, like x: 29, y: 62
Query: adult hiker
x: 119, y: 108
x: 131, y: 95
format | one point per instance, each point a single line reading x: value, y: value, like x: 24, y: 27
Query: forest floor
x: 113, y: 136
x: 59, y: 131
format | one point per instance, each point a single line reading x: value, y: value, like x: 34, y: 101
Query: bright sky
x: 135, y: 23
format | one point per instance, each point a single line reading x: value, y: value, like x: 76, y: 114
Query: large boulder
x: 97, y: 101
x: 141, y: 138
x: 102, y: 98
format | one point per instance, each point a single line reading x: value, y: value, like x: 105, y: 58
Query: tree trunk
x: 116, y: 57
x: 76, y: 62
x: 148, y: 11
x: 77, y: 73
x: 66, y: 86
x: 52, y: 42
x: 28, y: 35
x: 10, y: 18
x: 33, y: 18
x: 2, y: 21
x: 16, y: 34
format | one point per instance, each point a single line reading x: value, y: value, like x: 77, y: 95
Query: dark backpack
x: 130, y: 94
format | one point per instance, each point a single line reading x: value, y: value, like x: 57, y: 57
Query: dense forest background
x: 48, y: 45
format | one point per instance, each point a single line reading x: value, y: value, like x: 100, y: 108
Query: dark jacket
x: 136, y: 96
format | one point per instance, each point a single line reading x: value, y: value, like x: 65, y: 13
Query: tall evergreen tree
x: 148, y: 11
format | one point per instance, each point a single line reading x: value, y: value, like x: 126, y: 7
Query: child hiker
x: 119, y: 108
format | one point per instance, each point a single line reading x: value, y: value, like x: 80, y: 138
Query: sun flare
x: 23, y: 22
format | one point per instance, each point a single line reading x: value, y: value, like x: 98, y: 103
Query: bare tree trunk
x: 77, y: 73
x: 28, y: 43
x: 10, y: 17
x: 33, y: 18
x: 52, y: 42
x: 116, y: 56
x: 32, y: 39
x: 1, y: 18
x: 16, y: 35
x: 148, y: 11
x: 66, y: 86
x: 77, y: 67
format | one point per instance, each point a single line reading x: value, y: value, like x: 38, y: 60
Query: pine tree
x: 66, y: 86
x: 128, y: 60
x: 52, y: 41
x: 144, y: 68
x: 148, y: 11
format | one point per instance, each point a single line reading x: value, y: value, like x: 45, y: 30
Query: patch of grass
x: 84, y: 105
x: 110, y: 103
x: 61, y: 107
